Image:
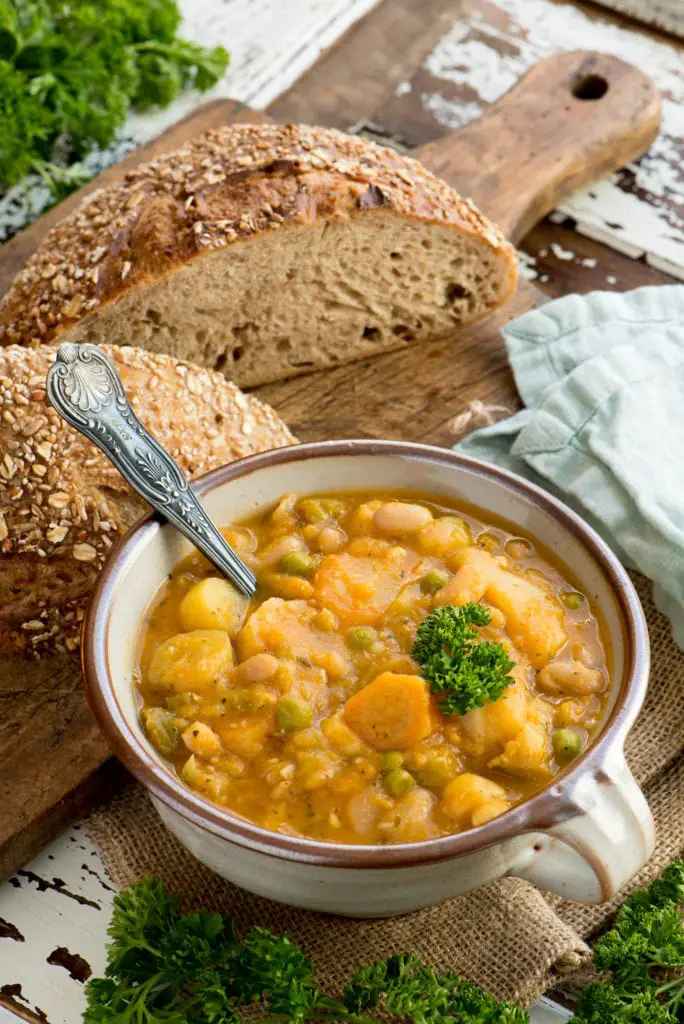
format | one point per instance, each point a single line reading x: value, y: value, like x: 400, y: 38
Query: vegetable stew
x: 405, y: 670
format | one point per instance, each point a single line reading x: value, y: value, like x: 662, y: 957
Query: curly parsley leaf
x: 167, y: 968
x: 71, y: 69
x: 643, y: 955
x: 463, y: 670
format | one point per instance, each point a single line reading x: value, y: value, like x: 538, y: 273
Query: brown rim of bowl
x: 550, y: 805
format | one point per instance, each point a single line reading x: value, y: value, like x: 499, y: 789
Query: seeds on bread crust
x: 62, y: 502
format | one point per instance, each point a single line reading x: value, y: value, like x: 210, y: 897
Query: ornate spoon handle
x: 85, y: 388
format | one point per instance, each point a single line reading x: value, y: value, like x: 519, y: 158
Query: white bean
x: 581, y: 652
x: 397, y: 517
x: 570, y: 677
x: 258, y: 668
x: 331, y: 540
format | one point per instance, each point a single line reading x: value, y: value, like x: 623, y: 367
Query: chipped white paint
x: 450, y: 114
x: 560, y: 253
x: 527, y: 265
x: 271, y: 43
x: 50, y: 919
x: 638, y: 210
x: 54, y: 918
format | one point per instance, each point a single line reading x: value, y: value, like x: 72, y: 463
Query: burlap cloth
x: 506, y: 936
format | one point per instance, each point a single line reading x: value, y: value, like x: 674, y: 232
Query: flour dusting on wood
x: 637, y: 210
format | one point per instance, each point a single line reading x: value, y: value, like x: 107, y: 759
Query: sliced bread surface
x: 264, y: 251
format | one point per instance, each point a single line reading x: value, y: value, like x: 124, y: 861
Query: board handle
x: 571, y: 120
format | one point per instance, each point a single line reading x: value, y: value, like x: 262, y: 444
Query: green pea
x: 390, y: 760
x: 572, y: 600
x: 297, y: 563
x: 292, y: 713
x: 567, y: 744
x: 437, y: 771
x: 398, y: 782
x: 433, y: 581
x: 360, y: 638
x: 311, y: 510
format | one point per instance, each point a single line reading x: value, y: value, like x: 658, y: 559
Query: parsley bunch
x: 466, y: 672
x: 166, y: 968
x: 71, y: 69
x: 644, y: 955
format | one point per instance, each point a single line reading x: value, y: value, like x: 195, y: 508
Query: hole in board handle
x: 589, y: 87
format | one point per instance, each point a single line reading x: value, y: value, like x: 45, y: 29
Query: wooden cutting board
x: 570, y: 121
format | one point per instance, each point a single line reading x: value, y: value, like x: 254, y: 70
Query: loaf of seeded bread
x: 62, y: 503
x: 264, y: 251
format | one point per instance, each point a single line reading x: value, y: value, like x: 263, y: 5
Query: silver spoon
x: 85, y: 388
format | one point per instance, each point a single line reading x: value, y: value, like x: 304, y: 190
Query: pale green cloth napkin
x: 602, y: 377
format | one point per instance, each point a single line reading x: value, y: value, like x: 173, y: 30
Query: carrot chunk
x: 392, y: 712
x: 360, y: 589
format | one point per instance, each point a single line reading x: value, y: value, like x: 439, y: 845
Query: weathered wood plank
x: 560, y: 261
x: 638, y: 210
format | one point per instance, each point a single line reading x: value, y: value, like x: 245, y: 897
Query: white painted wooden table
x: 59, y: 904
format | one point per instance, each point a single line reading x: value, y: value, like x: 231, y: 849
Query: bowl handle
x: 605, y: 836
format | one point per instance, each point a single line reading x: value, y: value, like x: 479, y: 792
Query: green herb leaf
x: 465, y: 671
x: 166, y: 968
x: 70, y: 71
x: 644, y: 955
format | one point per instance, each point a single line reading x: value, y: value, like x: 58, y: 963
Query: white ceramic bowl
x: 582, y: 837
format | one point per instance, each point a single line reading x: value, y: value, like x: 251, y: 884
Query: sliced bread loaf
x: 264, y: 251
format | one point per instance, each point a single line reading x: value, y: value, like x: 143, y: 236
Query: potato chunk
x: 392, y: 712
x: 467, y: 794
x: 534, y: 618
x: 246, y: 736
x: 468, y: 584
x: 443, y: 536
x: 360, y: 589
x: 291, y: 630
x: 490, y: 727
x: 411, y: 819
x: 213, y: 604
x: 487, y: 811
x: 190, y: 661
x: 201, y: 739
x: 340, y: 737
x: 528, y: 754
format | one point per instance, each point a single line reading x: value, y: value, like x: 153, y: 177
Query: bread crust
x: 228, y: 186
x: 62, y: 503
